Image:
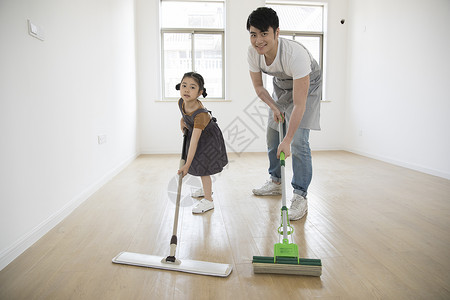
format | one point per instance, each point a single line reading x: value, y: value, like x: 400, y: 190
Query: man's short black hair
x: 263, y: 18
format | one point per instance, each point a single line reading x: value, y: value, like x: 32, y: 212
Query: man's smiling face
x: 265, y: 42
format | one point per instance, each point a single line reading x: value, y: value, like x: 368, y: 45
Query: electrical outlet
x: 101, y: 139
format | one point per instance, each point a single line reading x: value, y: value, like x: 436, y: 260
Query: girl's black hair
x: 263, y: 18
x: 198, y: 78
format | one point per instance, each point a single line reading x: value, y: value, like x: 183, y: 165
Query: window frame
x: 194, y: 31
x: 307, y: 34
x: 320, y: 34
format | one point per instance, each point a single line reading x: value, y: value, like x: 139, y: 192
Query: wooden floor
x: 381, y: 231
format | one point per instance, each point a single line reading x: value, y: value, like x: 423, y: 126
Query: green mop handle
x: 284, y: 212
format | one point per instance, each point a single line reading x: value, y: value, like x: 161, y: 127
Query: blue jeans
x: 301, y: 159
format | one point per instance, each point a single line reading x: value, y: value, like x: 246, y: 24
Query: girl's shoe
x: 198, y: 193
x: 203, y: 206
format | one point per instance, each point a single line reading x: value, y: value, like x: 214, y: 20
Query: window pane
x: 299, y: 18
x: 312, y: 43
x: 268, y: 84
x: 192, y: 14
x: 208, y: 62
x: 177, y: 60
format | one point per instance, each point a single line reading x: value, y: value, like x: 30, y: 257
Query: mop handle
x: 180, y: 182
x: 177, y: 203
x: 173, y: 241
x: 282, y: 163
x: 283, y: 186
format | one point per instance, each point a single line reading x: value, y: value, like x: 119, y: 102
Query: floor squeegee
x: 286, y: 258
x: 171, y: 262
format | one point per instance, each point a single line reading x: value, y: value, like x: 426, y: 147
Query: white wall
x: 159, y: 121
x: 56, y: 96
x: 398, y: 105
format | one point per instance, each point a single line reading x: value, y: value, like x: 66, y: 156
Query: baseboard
x: 407, y: 165
x: 26, y: 241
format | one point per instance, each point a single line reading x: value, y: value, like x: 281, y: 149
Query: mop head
x: 286, y: 260
x: 187, y: 266
x: 287, y: 265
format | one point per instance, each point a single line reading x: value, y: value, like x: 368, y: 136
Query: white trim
x: 403, y: 164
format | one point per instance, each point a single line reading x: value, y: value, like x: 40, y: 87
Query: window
x: 302, y: 23
x: 192, y: 39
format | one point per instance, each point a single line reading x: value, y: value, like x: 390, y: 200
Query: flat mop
x: 286, y: 258
x: 171, y: 262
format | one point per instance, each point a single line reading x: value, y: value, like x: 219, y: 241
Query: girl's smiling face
x: 189, y: 89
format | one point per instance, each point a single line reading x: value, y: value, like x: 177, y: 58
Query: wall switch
x: 35, y: 31
x: 101, y: 139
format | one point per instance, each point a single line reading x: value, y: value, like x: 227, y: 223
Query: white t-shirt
x: 295, y: 59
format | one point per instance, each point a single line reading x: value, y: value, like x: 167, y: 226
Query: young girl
x: 206, y: 152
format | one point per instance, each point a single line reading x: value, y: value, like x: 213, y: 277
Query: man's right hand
x: 277, y: 116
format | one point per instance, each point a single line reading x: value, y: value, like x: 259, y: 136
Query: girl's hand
x: 183, y: 126
x: 183, y: 170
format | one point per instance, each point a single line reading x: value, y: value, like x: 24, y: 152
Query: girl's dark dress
x: 211, y: 154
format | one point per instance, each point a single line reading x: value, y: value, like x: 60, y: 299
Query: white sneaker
x: 199, y: 193
x: 268, y: 189
x: 203, y: 206
x: 299, y: 207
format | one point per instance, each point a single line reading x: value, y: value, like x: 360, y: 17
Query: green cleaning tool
x: 286, y: 258
x: 170, y: 262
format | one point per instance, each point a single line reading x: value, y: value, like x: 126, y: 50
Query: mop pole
x: 173, y: 241
x: 283, y: 186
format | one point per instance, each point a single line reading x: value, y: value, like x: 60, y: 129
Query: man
x: 297, y: 83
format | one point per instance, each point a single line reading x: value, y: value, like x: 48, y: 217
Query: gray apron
x: 282, y: 94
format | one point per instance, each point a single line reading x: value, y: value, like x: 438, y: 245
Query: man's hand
x: 277, y: 116
x: 285, y: 147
